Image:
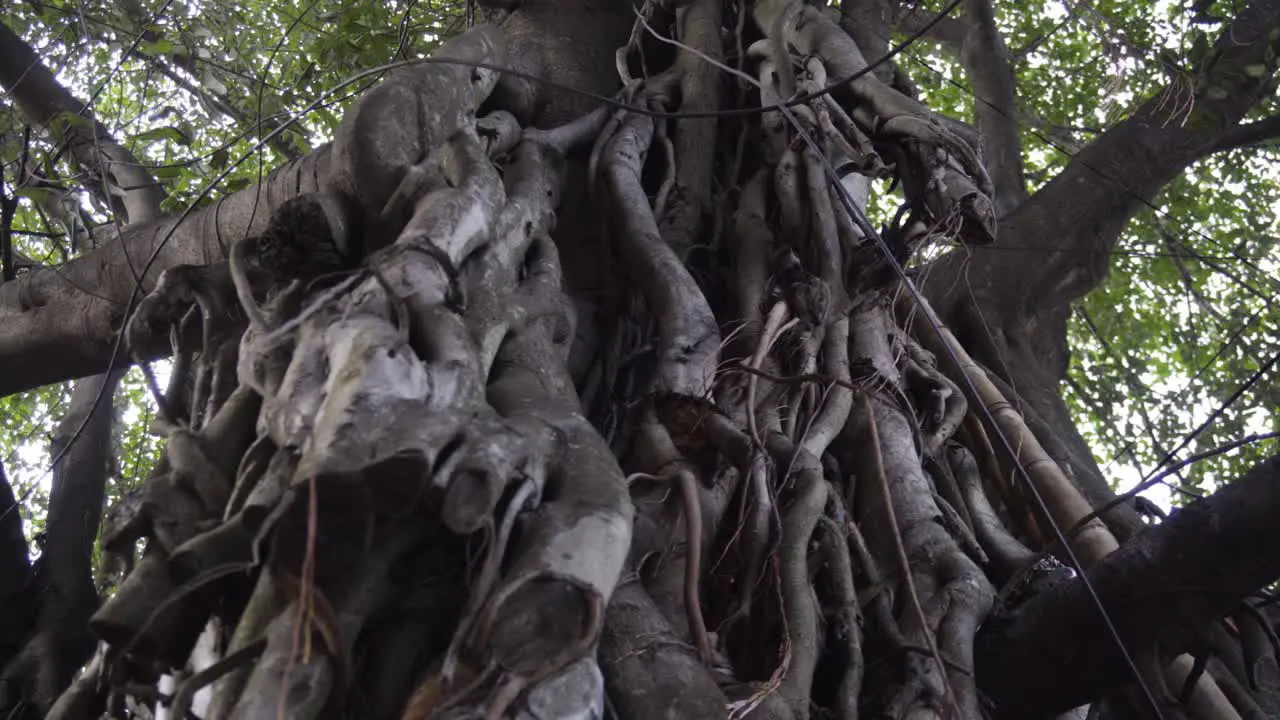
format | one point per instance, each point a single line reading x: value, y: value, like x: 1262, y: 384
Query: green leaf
x: 160, y: 46
x: 1199, y: 48
x: 38, y: 194
x: 235, y: 184
x: 166, y: 172
x: 171, y: 134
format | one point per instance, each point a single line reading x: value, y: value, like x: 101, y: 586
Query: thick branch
x: 47, y: 104
x: 990, y: 72
x: 950, y: 32
x: 59, y: 323
x: 1013, y: 307
x: 1168, y: 584
x: 1249, y: 135
x: 1077, y: 218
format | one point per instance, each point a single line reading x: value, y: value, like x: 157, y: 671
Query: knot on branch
x: 307, y: 236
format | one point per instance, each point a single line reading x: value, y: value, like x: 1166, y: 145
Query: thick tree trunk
x: 469, y: 448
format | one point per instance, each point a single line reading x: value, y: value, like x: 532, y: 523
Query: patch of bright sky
x: 32, y: 469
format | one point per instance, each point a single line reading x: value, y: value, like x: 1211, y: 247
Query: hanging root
x: 798, y: 524
x: 848, y: 619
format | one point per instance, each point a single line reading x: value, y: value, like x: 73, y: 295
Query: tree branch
x: 1078, y: 216
x: 16, y: 601
x: 1168, y: 584
x: 290, y: 145
x: 976, y: 41
x: 948, y: 32
x: 1249, y: 135
x: 62, y: 642
x: 60, y: 323
x: 986, y: 59
x: 1014, y: 307
x: 131, y: 190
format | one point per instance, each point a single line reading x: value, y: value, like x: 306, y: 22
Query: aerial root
x: 798, y: 523
x: 655, y: 444
x: 649, y: 672
x: 497, y: 550
x: 757, y: 509
x: 848, y: 619
x: 1008, y: 554
x: 945, y: 407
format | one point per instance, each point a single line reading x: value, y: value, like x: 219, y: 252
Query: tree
x: 573, y: 368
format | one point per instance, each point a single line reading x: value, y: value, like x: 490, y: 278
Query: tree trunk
x: 510, y: 414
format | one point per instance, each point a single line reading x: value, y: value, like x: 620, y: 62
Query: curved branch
x: 1076, y: 219
x: 46, y: 103
x: 1169, y: 583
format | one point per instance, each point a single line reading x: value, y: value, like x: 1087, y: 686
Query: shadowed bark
x: 1164, y: 588
x: 58, y: 641
x: 16, y: 600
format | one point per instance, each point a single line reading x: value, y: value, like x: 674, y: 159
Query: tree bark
x: 16, y: 601
x: 463, y: 466
x: 58, y: 643
x: 1164, y: 589
x: 61, y: 642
